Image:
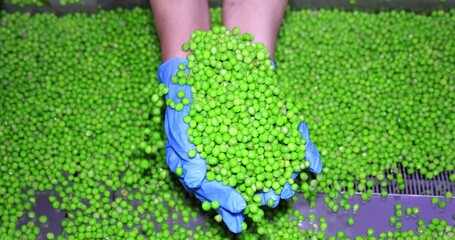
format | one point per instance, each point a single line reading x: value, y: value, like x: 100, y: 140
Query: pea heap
x: 248, y: 136
x: 81, y: 124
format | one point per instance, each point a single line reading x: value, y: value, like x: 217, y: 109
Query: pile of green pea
x: 248, y: 136
x: 81, y: 120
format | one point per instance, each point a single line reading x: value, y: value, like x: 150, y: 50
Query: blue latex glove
x: 193, y: 178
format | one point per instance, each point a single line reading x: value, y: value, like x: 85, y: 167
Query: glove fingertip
x: 314, y: 157
x: 194, y: 173
x: 311, y: 153
x: 238, y: 204
x: 232, y: 220
x: 193, y: 181
x: 287, y: 191
x: 317, y: 168
x: 277, y: 202
x: 294, y: 175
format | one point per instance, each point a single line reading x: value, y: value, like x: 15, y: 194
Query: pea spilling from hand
x: 238, y: 120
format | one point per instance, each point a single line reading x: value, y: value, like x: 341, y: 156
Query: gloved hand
x: 193, y: 178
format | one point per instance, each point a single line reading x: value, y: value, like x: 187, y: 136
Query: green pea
x: 192, y: 153
x: 312, y: 217
x: 218, y: 218
x: 206, y: 206
x: 442, y: 204
x: 434, y: 200
x: 180, y: 94
x: 215, y: 204
x: 393, y: 220
x: 179, y: 171
x: 50, y: 235
x: 257, y: 198
x: 42, y: 219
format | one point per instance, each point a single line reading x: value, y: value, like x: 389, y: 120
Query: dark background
x: 90, y: 6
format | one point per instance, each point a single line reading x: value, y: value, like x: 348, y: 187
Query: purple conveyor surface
x: 375, y: 214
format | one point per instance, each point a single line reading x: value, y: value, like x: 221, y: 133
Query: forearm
x: 259, y: 17
x: 175, y: 21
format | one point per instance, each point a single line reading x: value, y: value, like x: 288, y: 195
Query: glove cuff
x: 168, y: 69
